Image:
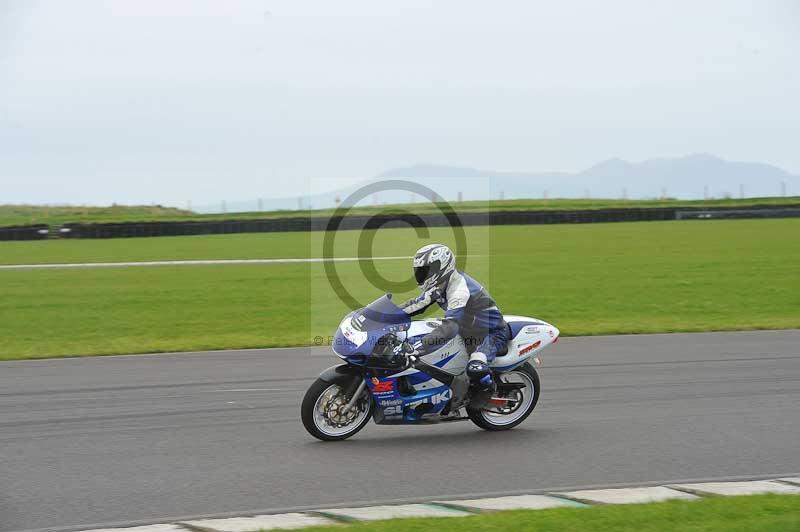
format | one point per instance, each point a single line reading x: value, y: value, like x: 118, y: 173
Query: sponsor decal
x: 383, y: 386
x: 375, y: 380
x: 530, y: 348
x: 390, y: 402
x: 358, y: 321
x: 446, y: 395
x: 393, y: 411
x: 351, y: 332
x: 456, y: 302
x: 531, y: 330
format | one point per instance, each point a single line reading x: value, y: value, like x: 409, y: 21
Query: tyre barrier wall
x: 24, y: 232
x: 127, y: 230
x: 144, y: 229
x: 704, y: 214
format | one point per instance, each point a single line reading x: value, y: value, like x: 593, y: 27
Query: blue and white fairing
x: 421, y: 394
x: 359, y: 332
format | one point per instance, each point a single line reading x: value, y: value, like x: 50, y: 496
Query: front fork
x: 350, y: 378
x: 355, y: 394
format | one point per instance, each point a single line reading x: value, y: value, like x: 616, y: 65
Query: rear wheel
x: 515, y: 405
x: 323, y: 412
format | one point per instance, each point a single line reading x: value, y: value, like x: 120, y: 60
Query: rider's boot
x: 478, y: 371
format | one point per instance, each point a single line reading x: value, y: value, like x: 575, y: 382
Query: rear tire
x: 317, y: 425
x: 489, y: 421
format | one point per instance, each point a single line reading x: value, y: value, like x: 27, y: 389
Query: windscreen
x: 380, y: 313
x: 359, y: 332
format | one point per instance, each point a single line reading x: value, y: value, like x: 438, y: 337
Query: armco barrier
x: 24, y: 232
x: 143, y: 229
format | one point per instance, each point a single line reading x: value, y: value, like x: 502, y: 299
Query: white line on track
x: 252, y: 390
x: 187, y: 263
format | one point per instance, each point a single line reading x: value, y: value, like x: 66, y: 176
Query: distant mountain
x: 687, y: 177
x: 422, y: 171
x: 691, y: 177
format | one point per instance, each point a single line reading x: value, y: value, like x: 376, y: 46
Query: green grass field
x: 586, y: 279
x: 758, y: 513
x: 56, y: 216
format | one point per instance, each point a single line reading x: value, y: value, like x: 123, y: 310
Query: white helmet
x: 433, y: 265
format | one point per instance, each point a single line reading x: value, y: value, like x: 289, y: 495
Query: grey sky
x: 193, y: 100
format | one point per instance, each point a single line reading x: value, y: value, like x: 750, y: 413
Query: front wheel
x: 323, y: 415
x: 507, y: 412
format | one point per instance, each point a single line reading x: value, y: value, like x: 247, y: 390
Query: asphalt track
x: 112, y: 440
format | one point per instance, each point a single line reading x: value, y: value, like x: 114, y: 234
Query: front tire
x: 321, y: 412
x: 491, y: 420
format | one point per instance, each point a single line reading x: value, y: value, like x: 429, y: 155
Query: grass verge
x: 719, y: 514
x: 586, y: 279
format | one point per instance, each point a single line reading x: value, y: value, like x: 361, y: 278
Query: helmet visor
x: 422, y: 273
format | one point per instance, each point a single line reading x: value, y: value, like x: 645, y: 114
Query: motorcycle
x: 382, y: 378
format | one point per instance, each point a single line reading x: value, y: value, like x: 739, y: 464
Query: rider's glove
x: 398, y: 352
x: 399, y: 357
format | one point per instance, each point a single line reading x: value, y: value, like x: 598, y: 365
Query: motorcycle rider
x: 469, y: 311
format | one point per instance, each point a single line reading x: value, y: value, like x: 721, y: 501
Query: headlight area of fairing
x: 357, y: 354
x: 356, y: 343
x: 349, y: 351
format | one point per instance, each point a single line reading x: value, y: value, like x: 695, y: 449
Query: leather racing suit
x: 469, y: 311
